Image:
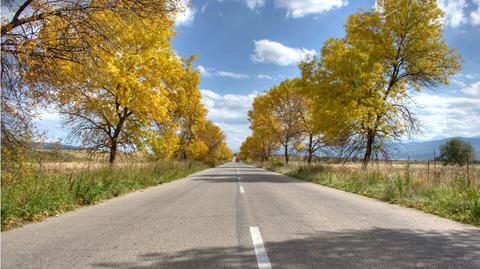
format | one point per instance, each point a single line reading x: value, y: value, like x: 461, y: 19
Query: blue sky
x: 246, y: 46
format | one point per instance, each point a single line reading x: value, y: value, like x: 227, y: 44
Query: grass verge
x: 458, y: 199
x: 50, y: 192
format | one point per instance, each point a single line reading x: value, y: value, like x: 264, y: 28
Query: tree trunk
x: 310, y: 148
x: 116, y: 135
x: 369, y: 148
x: 113, y: 153
x: 286, y: 153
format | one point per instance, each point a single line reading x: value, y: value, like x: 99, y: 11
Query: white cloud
x: 229, y: 112
x: 186, y: 17
x: 210, y: 72
x: 300, y: 8
x: 203, y: 71
x: 253, y: 4
x: 231, y: 75
x: 448, y: 116
x: 473, y: 90
x: 267, y: 51
x: 454, y: 12
x: 263, y: 76
x: 475, y: 15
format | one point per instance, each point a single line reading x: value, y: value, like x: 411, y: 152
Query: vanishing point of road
x: 239, y: 216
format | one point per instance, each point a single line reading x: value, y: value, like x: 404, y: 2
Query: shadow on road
x: 373, y: 248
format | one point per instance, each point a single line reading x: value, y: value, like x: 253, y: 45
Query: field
x: 447, y: 191
x: 54, y: 186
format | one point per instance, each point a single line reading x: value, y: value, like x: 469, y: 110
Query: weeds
x: 457, y: 198
x: 50, y: 192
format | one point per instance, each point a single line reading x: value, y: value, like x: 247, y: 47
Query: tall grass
x: 48, y: 192
x: 457, y: 198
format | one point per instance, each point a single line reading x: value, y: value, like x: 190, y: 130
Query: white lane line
x: 242, y: 190
x: 260, y: 252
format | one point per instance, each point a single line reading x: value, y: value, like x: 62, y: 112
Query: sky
x: 244, y: 47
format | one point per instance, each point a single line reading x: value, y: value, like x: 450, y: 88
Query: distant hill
x: 48, y: 145
x: 424, y: 150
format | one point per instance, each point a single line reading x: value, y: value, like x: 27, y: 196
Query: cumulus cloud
x: 475, y: 15
x: 229, y: 112
x: 186, y: 17
x: 300, y: 8
x: 267, y: 51
x: 454, y: 11
x: 448, y: 116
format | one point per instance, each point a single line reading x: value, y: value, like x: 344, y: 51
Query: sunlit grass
x: 46, y: 192
x: 456, y: 196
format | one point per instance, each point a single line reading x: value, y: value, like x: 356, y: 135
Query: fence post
x: 435, y: 167
x: 428, y: 170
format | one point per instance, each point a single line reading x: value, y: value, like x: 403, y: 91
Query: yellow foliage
x: 198, y: 150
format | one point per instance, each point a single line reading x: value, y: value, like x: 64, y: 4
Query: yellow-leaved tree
x: 278, y: 113
x: 362, y: 82
x: 123, y: 98
x: 40, y: 36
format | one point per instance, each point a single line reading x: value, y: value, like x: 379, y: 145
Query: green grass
x: 458, y: 199
x: 46, y: 192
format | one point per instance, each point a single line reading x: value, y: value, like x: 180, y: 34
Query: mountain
x: 424, y: 150
x: 49, y: 145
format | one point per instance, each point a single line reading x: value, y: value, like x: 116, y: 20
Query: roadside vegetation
x: 51, y: 189
x: 447, y: 191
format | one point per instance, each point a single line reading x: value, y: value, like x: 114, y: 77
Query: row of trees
x: 355, y: 97
x: 109, y: 68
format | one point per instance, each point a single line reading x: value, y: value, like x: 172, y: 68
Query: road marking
x: 260, y: 252
x: 242, y: 190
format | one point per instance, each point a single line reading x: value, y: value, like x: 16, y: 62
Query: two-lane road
x: 238, y: 216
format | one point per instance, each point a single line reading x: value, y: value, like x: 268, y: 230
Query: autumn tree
x: 277, y: 112
x: 213, y: 137
x: 257, y: 148
x: 367, y: 78
x: 189, y: 112
x: 37, y: 37
x: 121, y: 98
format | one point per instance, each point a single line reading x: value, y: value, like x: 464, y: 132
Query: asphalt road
x: 221, y: 218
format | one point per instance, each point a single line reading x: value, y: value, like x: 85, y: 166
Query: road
x: 238, y: 216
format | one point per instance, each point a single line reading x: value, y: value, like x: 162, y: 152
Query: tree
x: 277, y: 112
x: 366, y: 78
x: 311, y: 130
x: 213, y: 137
x: 39, y: 36
x: 457, y: 151
x: 119, y: 99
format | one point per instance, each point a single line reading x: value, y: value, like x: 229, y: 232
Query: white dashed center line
x: 242, y: 190
x: 260, y: 252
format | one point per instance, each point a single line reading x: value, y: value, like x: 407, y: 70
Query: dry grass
x: 448, y: 191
